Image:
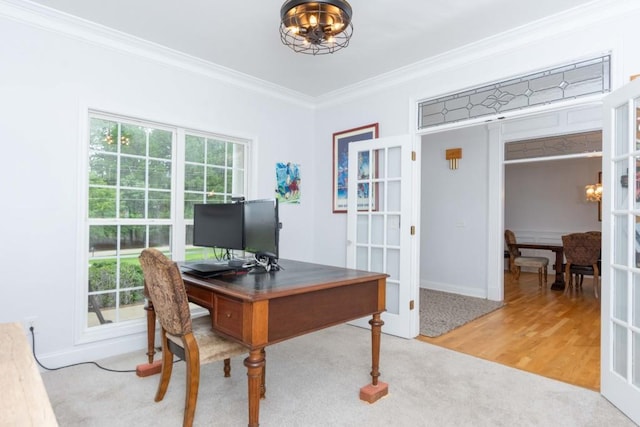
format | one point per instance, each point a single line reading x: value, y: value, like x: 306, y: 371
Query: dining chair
x: 579, y: 271
x: 192, y: 340
x: 582, y: 252
x: 517, y: 260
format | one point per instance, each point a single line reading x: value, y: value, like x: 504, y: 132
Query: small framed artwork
x: 341, y: 141
x: 288, y: 182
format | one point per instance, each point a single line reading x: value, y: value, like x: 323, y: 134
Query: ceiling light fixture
x: 315, y: 27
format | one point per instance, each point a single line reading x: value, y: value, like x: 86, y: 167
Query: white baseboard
x: 454, y: 289
x: 97, y: 351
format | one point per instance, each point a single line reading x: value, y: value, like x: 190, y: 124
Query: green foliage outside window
x: 102, y: 277
x: 130, y: 191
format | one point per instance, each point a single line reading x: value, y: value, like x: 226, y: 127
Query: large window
x: 214, y: 173
x: 135, y: 201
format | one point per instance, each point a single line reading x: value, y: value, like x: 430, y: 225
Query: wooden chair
x: 193, y: 341
x: 582, y: 251
x: 517, y: 261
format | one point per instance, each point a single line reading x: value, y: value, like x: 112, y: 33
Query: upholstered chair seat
x: 213, y: 347
x: 517, y: 260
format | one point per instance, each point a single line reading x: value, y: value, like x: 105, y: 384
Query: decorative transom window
x: 136, y: 200
x: 570, y: 81
x: 554, y: 146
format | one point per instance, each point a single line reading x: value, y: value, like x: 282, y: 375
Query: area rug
x: 441, y: 312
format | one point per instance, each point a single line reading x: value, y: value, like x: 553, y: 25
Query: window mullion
x: 177, y: 195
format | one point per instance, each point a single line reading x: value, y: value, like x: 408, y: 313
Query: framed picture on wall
x: 341, y: 141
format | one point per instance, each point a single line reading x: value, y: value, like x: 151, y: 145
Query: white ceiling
x: 244, y: 35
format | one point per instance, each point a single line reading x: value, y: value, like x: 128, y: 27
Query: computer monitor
x: 218, y: 225
x: 261, y: 227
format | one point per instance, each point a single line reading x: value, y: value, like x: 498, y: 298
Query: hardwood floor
x: 538, y: 330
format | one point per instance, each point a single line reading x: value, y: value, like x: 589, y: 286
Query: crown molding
x: 552, y: 26
x: 45, y: 18
x: 42, y: 17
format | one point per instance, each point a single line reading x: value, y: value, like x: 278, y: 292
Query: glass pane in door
x: 621, y: 175
x: 635, y: 301
x: 394, y: 200
x: 362, y: 258
x: 377, y: 229
x: 362, y: 232
x: 621, y: 146
x: 620, y: 297
x: 377, y: 259
x: 620, y: 234
x: 620, y: 350
x: 635, y: 354
x: 393, y: 281
x: 394, y: 163
x: 636, y: 242
x: 636, y: 183
x: 393, y: 230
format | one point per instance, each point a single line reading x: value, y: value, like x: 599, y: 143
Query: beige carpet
x: 441, y: 312
x: 314, y: 381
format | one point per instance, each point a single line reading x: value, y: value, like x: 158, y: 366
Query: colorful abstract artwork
x: 288, y: 182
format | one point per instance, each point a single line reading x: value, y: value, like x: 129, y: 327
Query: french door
x: 620, y: 315
x: 379, y: 231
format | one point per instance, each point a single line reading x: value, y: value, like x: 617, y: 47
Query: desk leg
x: 377, y: 389
x: 150, y: 368
x: 255, y: 364
x: 151, y: 330
x: 558, y: 285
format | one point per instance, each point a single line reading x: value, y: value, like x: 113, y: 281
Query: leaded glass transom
x: 551, y: 146
x: 562, y: 83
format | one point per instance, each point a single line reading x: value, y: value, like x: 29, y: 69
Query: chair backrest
x: 510, y: 240
x: 167, y: 292
x: 581, y: 248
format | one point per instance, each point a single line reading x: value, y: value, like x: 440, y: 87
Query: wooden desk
x: 24, y: 399
x: 262, y: 309
x: 558, y: 284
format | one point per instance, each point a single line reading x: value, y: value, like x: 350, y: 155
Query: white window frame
x: 83, y: 333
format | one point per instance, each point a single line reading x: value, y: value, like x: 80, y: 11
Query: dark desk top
x: 293, y: 278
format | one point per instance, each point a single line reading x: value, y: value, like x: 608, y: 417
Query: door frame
x: 496, y: 167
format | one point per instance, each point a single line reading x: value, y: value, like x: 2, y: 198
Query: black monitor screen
x: 261, y: 227
x: 218, y: 225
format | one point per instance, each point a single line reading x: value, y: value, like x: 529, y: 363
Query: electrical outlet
x: 30, y: 322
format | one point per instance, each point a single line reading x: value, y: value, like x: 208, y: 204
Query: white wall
x: 47, y: 82
x: 454, y: 213
x: 549, y: 197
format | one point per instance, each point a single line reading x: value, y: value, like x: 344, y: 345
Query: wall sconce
x: 453, y: 155
x: 593, y: 193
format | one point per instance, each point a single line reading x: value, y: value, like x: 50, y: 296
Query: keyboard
x: 208, y: 267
